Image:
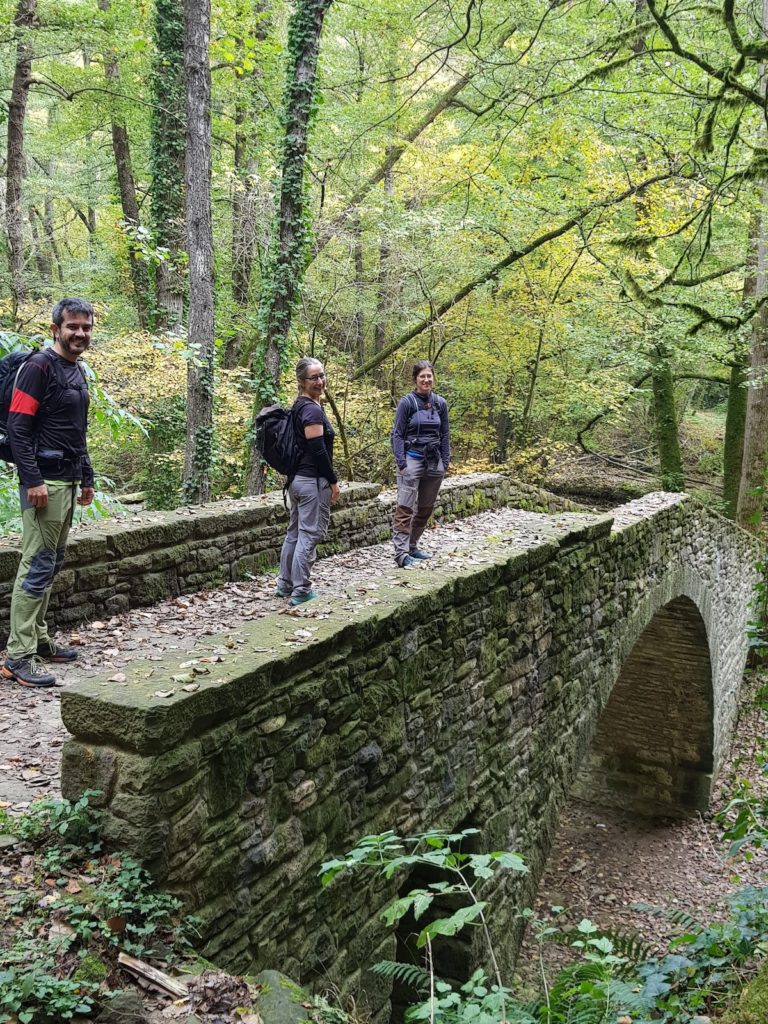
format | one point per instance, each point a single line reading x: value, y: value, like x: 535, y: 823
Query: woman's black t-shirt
x: 308, y: 414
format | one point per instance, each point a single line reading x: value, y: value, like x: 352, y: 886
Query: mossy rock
x: 281, y: 1000
x: 752, y: 1004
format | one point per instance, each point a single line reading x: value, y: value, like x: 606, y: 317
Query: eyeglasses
x: 316, y: 377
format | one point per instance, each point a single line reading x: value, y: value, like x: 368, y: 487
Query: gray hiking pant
x: 417, y: 487
x: 308, y: 525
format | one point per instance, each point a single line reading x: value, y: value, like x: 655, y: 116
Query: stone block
x: 281, y: 1001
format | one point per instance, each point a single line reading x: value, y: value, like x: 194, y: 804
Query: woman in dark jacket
x: 421, y: 442
x: 313, y: 488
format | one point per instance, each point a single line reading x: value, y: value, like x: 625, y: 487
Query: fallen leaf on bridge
x: 164, y: 693
x: 118, y: 677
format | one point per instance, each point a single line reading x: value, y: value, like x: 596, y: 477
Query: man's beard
x: 66, y: 344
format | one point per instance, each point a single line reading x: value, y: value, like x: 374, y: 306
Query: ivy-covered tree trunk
x: 168, y: 139
x: 198, y: 454
x: 751, y: 502
x: 126, y: 186
x: 665, y: 418
x: 736, y: 407
x: 14, y: 170
x: 288, y: 254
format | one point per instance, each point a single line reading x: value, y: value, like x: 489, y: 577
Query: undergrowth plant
x: 69, y: 910
x: 613, y: 978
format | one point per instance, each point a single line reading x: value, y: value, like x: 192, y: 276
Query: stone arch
x: 654, y: 747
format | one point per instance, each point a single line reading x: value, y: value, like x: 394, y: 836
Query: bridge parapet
x: 471, y: 696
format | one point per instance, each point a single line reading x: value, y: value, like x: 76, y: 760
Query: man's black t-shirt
x: 49, y: 415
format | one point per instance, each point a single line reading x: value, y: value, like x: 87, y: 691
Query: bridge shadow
x: 653, y: 750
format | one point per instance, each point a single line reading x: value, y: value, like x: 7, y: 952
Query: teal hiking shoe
x: 303, y: 598
x: 419, y: 555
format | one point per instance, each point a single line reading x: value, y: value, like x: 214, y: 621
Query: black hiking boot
x: 50, y: 651
x: 28, y: 672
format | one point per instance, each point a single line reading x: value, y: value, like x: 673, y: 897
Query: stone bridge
x: 602, y: 652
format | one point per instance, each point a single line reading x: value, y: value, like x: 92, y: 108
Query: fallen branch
x: 153, y: 976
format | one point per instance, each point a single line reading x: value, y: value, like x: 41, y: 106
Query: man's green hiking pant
x: 43, y: 543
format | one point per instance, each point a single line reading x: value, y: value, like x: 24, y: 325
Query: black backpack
x: 277, y: 439
x: 9, y: 371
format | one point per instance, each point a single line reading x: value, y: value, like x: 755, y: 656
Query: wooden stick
x: 152, y: 975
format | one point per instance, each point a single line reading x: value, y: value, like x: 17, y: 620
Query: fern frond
x: 671, y: 914
x: 412, y: 975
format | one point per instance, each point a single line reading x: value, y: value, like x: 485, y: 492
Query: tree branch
x: 511, y: 258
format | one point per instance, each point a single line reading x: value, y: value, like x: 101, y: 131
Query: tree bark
x: 358, y: 318
x: 288, y: 250
x: 198, y: 456
x: 245, y: 185
x: 17, y: 109
x: 665, y: 420
x: 42, y: 255
x: 751, y: 502
x: 167, y: 148
x: 736, y: 408
x: 126, y: 186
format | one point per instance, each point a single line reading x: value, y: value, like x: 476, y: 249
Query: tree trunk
x: 167, y: 162
x: 17, y: 109
x: 358, y: 319
x: 665, y: 418
x: 127, y: 188
x: 198, y: 456
x: 288, y: 250
x: 662, y: 381
x: 249, y: 107
x: 736, y: 409
x: 752, y: 486
x: 42, y: 255
x: 751, y: 503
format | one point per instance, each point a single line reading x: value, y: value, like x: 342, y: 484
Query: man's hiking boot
x: 28, y: 671
x: 408, y: 563
x: 50, y: 651
x: 419, y: 555
x: 303, y: 598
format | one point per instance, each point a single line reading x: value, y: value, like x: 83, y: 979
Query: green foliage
x: 58, y: 946
x: 614, y: 976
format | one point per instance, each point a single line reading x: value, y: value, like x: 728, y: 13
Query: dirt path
x: 604, y: 861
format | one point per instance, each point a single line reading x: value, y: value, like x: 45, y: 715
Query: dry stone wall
x: 471, y: 700
x: 116, y: 565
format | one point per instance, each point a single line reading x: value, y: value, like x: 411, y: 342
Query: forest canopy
x: 562, y: 205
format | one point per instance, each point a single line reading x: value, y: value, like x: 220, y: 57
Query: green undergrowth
x: 612, y: 978
x: 68, y: 909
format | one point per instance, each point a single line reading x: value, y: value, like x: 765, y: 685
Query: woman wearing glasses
x: 421, y: 444
x: 312, y: 489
